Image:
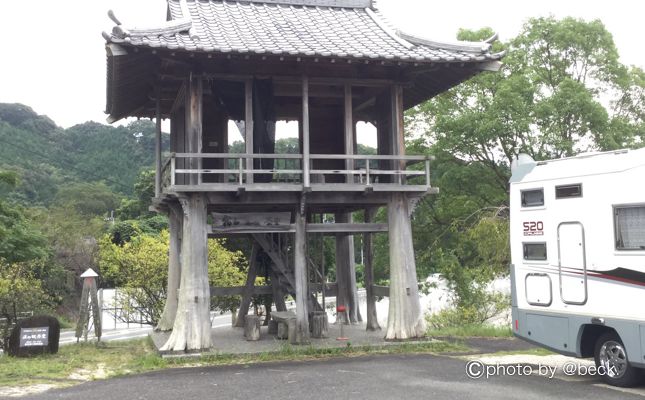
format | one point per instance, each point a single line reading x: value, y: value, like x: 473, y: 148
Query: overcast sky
x: 52, y: 55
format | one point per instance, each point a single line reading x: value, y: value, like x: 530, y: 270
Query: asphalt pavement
x: 372, y: 377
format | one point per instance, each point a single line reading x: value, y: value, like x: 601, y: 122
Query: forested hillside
x: 48, y: 158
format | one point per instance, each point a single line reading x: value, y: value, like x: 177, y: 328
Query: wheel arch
x: 589, y: 335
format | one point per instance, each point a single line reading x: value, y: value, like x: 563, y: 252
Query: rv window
x: 566, y: 191
x: 534, y: 251
x: 532, y: 198
x: 630, y: 227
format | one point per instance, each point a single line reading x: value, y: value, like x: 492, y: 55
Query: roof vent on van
x: 522, y: 159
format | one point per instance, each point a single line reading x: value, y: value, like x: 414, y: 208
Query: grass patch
x: 83, y: 359
x: 86, y: 361
x: 472, y: 330
x: 538, y: 351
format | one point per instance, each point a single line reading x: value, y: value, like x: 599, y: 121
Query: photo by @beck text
x: 476, y: 369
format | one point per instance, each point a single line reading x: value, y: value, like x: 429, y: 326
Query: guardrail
x: 236, y: 170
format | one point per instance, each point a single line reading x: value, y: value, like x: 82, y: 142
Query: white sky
x: 52, y: 55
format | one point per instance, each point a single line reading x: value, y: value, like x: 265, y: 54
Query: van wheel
x: 612, y: 363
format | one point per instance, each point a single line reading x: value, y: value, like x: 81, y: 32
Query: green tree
x: 139, y: 268
x: 561, y: 90
x: 22, y: 247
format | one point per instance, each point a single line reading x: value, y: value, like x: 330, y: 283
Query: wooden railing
x: 185, y: 171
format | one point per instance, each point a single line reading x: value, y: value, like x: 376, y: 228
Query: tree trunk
x: 301, y: 280
x: 368, y: 256
x: 405, y: 318
x: 346, y: 274
x: 175, y: 222
x: 192, y: 328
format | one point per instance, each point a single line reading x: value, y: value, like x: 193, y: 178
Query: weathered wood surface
x: 349, y: 132
x: 305, y: 132
x: 238, y: 290
x: 347, y: 294
x: 158, y: 160
x: 295, y: 337
x: 282, y: 316
x: 252, y: 327
x: 301, y: 277
x: 248, y: 125
x: 283, y: 331
x: 273, y: 327
x: 247, y: 293
x: 192, y: 328
x: 368, y: 258
x: 175, y: 225
x: 405, y: 318
x: 320, y: 325
x: 327, y: 229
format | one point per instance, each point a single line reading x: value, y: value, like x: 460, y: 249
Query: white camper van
x: 578, y: 258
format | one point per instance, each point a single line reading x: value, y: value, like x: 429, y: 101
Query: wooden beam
x: 326, y: 229
x: 247, y: 293
x: 248, y: 126
x: 381, y: 291
x: 305, y: 132
x: 239, y: 290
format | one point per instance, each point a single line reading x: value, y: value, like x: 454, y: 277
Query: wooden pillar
x: 349, y: 131
x: 397, y: 137
x: 248, y: 126
x: 300, y: 266
x: 192, y: 328
x: 305, y: 133
x: 175, y: 224
x: 405, y: 318
x: 368, y: 259
x: 194, y: 125
x: 277, y: 291
x: 347, y: 293
x: 247, y: 296
x: 158, y: 142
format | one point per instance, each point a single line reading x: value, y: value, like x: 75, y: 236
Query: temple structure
x: 216, y: 69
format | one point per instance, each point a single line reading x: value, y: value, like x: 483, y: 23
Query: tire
x: 612, y: 363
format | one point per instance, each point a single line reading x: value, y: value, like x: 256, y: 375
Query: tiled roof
x: 351, y: 29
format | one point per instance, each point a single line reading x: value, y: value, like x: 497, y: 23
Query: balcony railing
x: 186, y: 172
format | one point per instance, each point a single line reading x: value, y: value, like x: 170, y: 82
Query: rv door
x: 572, y: 263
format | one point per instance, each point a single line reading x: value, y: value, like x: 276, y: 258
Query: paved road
x: 374, y: 377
